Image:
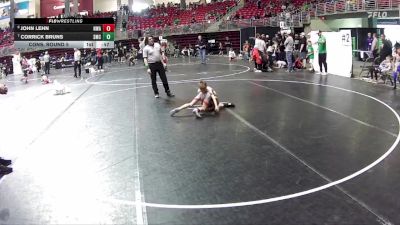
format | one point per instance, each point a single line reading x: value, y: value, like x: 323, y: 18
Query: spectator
x: 246, y: 49
x: 221, y: 49
x: 256, y: 57
x: 369, y: 42
x: 202, y: 44
x: 191, y: 50
x: 100, y: 61
x: 303, y: 48
x: 396, y: 61
x: 310, y: 56
x: 289, y: 46
x: 232, y: 55
x: 185, y: 51
x: 296, y: 41
x: 177, y: 21
x: 271, y: 56
x: 124, y: 25
x: 322, y: 53
x: 261, y: 47
x: 228, y: 44
x: 3, y: 69
x: 120, y: 52
x: 374, y: 45
x: 386, y: 48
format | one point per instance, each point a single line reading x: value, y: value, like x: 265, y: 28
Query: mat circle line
x: 273, y: 199
x: 106, y: 83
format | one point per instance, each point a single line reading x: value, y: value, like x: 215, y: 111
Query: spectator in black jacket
x: 228, y: 44
x: 386, y: 48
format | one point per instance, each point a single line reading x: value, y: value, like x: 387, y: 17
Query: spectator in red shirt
x: 99, y: 56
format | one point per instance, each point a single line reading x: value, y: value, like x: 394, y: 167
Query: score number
x: 108, y: 32
x: 108, y: 27
x: 108, y: 36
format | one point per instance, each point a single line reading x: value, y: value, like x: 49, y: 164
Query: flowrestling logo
x: 377, y: 14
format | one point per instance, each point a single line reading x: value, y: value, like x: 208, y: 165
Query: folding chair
x: 368, y: 64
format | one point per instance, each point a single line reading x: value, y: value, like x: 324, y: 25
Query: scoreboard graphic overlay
x: 64, y: 33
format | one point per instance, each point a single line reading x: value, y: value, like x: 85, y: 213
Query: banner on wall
x: 5, y: 12
x: 49, y: 8
x: 21, y: 7
x: 339, y: 55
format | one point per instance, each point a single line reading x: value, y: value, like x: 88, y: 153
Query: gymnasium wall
x: 105, y: 5
x: 336, y: 24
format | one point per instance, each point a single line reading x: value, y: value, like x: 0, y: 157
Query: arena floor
x: 297, y: 149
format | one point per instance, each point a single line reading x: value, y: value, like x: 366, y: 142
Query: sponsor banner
x: 50, y: 8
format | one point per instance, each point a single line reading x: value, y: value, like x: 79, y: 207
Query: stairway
x: 120, y: 35
x: 215, y: 26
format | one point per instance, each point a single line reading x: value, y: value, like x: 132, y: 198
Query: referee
x: 46, y: 59
x: 152, y: 59
x: 77, y: 62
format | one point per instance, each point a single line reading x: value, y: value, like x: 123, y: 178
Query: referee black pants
x: 77, y: 65
x: 47, y: 67
x: 155, y: 68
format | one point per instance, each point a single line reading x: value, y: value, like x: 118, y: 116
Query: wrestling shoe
x: 173, y: 112
x: 228, y: 105
x: 196, y: 113
x: 169, y: 94
x: 5, y: 170
x: 5, y: 162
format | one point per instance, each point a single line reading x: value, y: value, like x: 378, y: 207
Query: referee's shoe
x: 4, y: 169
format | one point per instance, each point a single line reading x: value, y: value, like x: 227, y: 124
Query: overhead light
x: 139, y: 6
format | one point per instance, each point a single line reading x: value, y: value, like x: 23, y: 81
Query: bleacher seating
x: 268, y: 7
x: 191, y: 39
x: 160, y: 17
x: 6, y: 39
x: 102, y: 15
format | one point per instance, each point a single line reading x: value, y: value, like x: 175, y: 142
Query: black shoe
x: 76, y: 76
x: 5, y: 162
x: 229, y: 105
x: 5, y: 170
x: 169, y: 94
